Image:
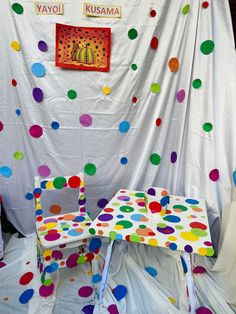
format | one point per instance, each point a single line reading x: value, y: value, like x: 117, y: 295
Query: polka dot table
x: 183, y: 225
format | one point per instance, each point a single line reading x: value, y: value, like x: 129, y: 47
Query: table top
x: 183, y: 225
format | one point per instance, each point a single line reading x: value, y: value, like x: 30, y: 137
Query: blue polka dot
x: 172, y: 218
x: 234, y: 177
x: 173, y: 246
x: 38, y: 69
x: 55, y: 125
x: 79, y: 219
x: 120, y: 216
x: 119, y: 292
x: 96, y: 278
x: 26, y: 296
x: 75, y: 233
x: 184, y: 265
x: 29, y: 196
x: 18, y: 112
x: 124, y: 126
x: 5, y: 171
x: 39, y: 212
x: 191, y: 201
x: 124, y: 160
x: 165, y: 200
x: 152, y: 271
x: 95, y: 244
x: 119, y: 236
x: 37, y: 191
x: 51, y: 268
x: 43, y: 184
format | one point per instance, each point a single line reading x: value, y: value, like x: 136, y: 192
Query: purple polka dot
x: 46, y: 291
x: 44, y: 171
x: 86, y: 120
x: 52, y: 237
x: 42, y: 45
x: 88, y: 309
x: 37, y: 94
x: 112, y: 309
x: 56, y: 254
x: 151, y: 191
x: 166, y: 230
x: 85, y: 291
x: 203, y: 310
x: 188, y: 248
x: 173, y: 157
x: 214, y: 175
x: 72, y: 260
x: 180, y: 95
x: 50, y: 220
x: 123, y: 198
x: 105, y: 217
x: 102, y: 202
x: 2, y: 264
x: 36, y: 131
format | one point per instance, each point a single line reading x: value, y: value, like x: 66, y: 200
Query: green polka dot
x: 134, y: 67
x: 179, y: 227
x: 161, y: 225
x: 155, y: 88
x: 71, y: 94
x: 155, y: 159
x: 125, y: 223
x: 142, y: 226
x: 186, y: 9
x: 112, y: 235
x: 132, y: 33
x: 115, y: 204
x: 17, y: 8
x: 197, y: 83
x: 180, y: 207
x: 207, y: 47
x: 43, y: 233
x: 81, y: 260
x: 135, y: 238
x: 126, y: 209
x: 47, y: 282
x: 207, y: 127
x: 18, y: 155
x: 199, y: 232
x: 92, y: 231
x: 90, y: 169
x: 59, y: 183
x: 43, y: 278
x: 142, y: 210
x: 140, y: 194
x: 210, y: 251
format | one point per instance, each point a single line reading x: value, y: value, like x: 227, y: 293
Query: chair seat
x: 62, y: 229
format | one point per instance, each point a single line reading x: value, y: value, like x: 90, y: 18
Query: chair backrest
x: 50, y: 193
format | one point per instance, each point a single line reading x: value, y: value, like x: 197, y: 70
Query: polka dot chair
x: 63, y: 238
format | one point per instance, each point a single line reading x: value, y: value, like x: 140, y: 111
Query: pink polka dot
x: 1, y: 126
x: 44, y: 171
x: 46, y: 291
x: 203, y: 310
x: 85, y: 291
x: 180, y: 95
x: 113, y: 309
x: 36, y: 131
x: 214, y: 175
x: 85, y: 120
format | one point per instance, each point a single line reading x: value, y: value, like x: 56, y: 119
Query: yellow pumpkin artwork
x: 83, y: 55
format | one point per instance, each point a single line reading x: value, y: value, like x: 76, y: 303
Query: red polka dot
x: 155, y: 207
x: 26, y: 278
x: 134, y: 99
x: 154, y: 43
x: 198, y: 225
x: 158, y: 121
x: 74, y: 182
x: 14, y: 83
x: 153, y: 13
x: 205, y: 4
x: 39, y: 218
x: 108, y: 210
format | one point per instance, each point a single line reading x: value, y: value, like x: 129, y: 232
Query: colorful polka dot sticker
x: 112, y: 309
x: 15, y: 45
x: 134, y: 67
x: 36, y: 131
x: 37, y: 94
x: 90, y: 169
x: 203, y: 310
x: 207, y: 47
x: 42, y: 45
x: 152, y: 271
x: 173, y: 64
x: 26, y: 278
x: 14, y: 83
x: 132, y: 33
x: 155, y: 88
x: 106, y: 90
x: 153, y: 13
x: 85, y: 291
x: 85, y: 120
x: 154, y: 43
x: 158, y: 121
x: 55, y: 125
x: 180, y: 95
x: 124, y: 126
x: 71, y: 94
x: 186, y: 9
x: 1, y: 126
x: 44, y: 171
x: 26, y: 296
x: 173, y: 157
x: 18, y: 155
x: 38, y: 69
x: 17, y: 8
x: 197, y: 83
x: 155, y: 159
x: 124, y: 160
x: 214, y: 175
x: 205, y: 4
x: 88, y: 309
x: 119, y: 292
x: 18, y: 112
x: 5, y: 171
x: 207, y: 127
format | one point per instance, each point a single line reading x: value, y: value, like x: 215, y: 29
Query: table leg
x: 190, y: 282
x: 105, y: 271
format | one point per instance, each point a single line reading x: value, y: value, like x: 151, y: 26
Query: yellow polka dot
x: 202, y: 251
x: 97, y: 257
x: 153, y: 242
x: 49, y: 185
x: 119, y: 227
x: 172, y: 300
x: 106, y: 90
x: 189, y: 236
x: 47, y: 253
x: 172, y: 238
x: 38, y: 206
x: 16, y: 45
x: 81, y: 184
x: 162, y: 212
x: 50, y: 225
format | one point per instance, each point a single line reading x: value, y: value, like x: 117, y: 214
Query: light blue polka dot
x: 234, y: 177
x: 96, y: 278
x: 5, y: 171
x: 124, y: 126
x: 152, y: 271
x: 38, y: 69
x: 191, y: 201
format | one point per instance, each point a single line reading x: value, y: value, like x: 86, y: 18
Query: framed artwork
x: 83, y: 48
